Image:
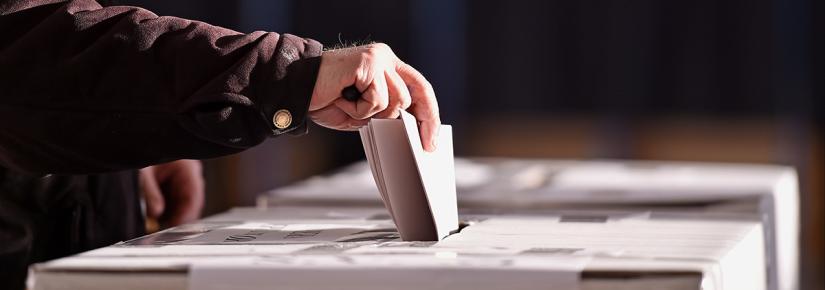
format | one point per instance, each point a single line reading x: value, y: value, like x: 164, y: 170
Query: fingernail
x: 435, y: 143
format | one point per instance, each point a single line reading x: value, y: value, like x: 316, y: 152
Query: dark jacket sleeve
x: 87, y: 89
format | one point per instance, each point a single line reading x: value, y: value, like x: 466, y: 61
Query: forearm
x: 88, y: 89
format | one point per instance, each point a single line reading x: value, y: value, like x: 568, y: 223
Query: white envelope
x: 417, y: 187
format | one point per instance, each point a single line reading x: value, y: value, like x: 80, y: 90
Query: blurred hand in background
x: 174, y: 191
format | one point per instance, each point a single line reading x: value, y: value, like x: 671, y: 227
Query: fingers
x: 387, y: 87
x: 337, y: 117
x: 174, y: 191
x: 152, y: 195
x: 362, y: 66
x: 339, y: 68
x: 373, y: 100
x: 334, y: 118
x: 399, y: 96
x: 186, y: 192
x: 424, y: 105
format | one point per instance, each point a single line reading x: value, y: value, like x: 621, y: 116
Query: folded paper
x: 416, y: 187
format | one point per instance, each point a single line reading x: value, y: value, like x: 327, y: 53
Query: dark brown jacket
x: 88, y: 89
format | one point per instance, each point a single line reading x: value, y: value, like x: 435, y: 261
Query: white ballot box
x: 359, y: 248
x: 764, y: 192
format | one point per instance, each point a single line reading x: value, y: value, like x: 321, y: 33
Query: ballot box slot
x: 461, y: 226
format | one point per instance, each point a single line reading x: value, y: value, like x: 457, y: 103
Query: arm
x: 88, y: 89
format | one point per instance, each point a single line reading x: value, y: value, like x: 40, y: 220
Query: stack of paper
x: 417, y: 187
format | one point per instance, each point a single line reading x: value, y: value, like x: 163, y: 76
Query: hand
x: 388, y: 85
x: 173, y: 191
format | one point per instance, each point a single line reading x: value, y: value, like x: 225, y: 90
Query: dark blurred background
x: 709, y: 80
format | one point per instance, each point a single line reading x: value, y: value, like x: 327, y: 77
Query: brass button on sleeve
x: 282, y: 119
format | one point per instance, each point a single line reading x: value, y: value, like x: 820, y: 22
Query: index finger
x: 424, y: 105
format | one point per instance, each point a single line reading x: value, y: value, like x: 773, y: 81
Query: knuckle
x: 405, y: 97
x: 367, y: 56
x: 381, y: 46
x: 383, y: 105
x: 423, y: 85
x: 405, y: 102
x: 428, y: 86
x: 376, y: 49
x: 378, y: 104
x: 434, y: 115
x: 374, y: 105
x: 391, y: 112
x: 397, y: 108
x: 432, y: 111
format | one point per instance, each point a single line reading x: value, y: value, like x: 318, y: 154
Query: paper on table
x: 417, y: 187
x: 266, y: 233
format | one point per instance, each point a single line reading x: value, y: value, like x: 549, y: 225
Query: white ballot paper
x: 417, y: 187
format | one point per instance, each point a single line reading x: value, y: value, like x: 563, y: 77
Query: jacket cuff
x: 289, y: 113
